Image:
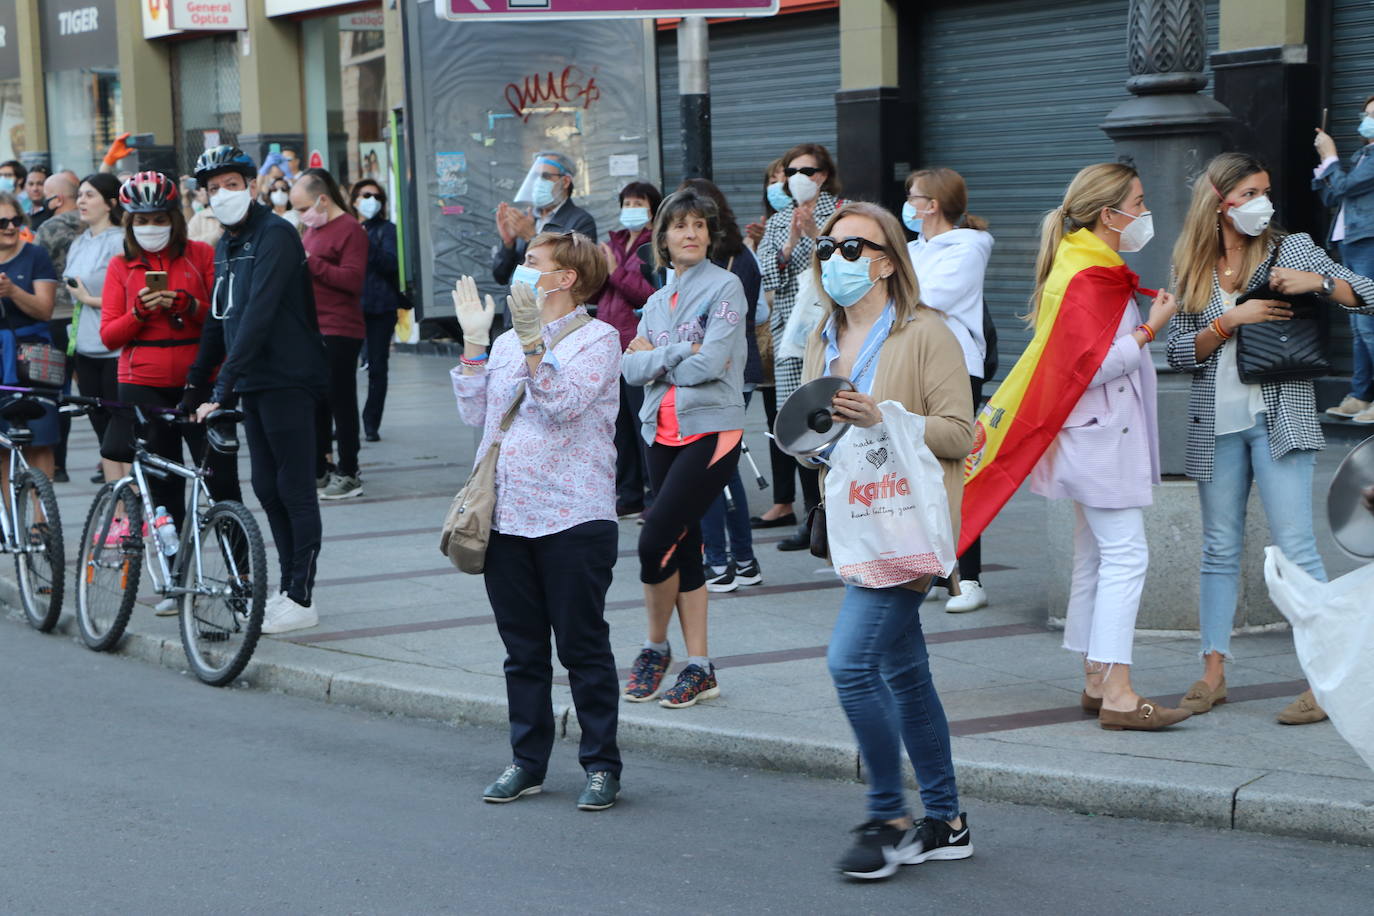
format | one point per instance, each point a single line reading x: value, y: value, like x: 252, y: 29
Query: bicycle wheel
x: 41, y: 573
x: 221, y: 618
x: 111, y: 563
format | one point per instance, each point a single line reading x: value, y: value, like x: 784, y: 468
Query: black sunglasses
x: 11, y: 222
x: 807, y: 170
x: 370, y: 194
x: 851, y: 248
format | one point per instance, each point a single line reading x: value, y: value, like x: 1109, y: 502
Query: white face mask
x: 152, y: 238
x: 803, y: 189
x: 279, y: 198
x: 369, y: 207
x: 230, y: 207
x: 1253, y: 216
x: 1138, y: 234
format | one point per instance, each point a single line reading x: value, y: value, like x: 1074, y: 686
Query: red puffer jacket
x: 157, y: 352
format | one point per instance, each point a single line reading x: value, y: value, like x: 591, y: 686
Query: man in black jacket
x: 263, y: 327
x: 550, y: 185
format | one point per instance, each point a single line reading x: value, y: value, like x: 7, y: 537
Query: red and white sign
x: 208, y: 15
x: 316, y: 161
x: 598, y: 9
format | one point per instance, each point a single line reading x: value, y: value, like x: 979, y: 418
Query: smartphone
x: 156, y: 280
x: 71, y: 281
x: 140, y: 141
x: 1324, y: 112
x: 274, y: 148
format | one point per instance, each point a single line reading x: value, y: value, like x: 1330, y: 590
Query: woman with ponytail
x: 1237, y: 433
x: 1077, y: 415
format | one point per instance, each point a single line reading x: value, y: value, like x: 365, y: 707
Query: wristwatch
x: 1328, y: 285
x: 536, y: 350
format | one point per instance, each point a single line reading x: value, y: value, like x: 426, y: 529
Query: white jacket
x: 949, y: 269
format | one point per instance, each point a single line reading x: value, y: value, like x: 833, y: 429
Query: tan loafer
x: 1200, y: 698
x: 1302, y: 711
x: 1148, y: 716
x: 1091, y: 705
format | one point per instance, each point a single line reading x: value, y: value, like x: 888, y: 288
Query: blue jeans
x: 1359, y: 257
x: 1285, y: 488
x: 881, y: 671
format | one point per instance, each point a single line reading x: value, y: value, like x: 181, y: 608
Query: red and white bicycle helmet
x: 148, y: 192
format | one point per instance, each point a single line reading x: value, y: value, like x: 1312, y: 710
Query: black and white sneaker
x: 721, y: 578
x: 878, y: 851
x: 749, y: 575
x: 940, y: 842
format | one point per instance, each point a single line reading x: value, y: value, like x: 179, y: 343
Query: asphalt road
x: 128, y: 788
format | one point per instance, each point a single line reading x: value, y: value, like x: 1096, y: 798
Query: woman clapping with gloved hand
x: 554, y: 538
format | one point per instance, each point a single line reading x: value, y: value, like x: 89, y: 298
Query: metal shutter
x: 1352, y: 69
x: 1012, y: 94
x: 773, y: 85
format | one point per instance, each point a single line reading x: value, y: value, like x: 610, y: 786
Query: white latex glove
x: 474, y: 318
x: 525, y: 306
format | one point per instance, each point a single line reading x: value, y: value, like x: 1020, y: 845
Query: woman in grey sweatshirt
x: 689, y: 356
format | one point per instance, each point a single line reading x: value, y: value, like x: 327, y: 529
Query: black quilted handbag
x: 1284, y: 351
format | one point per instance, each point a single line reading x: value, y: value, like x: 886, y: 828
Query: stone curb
x: 1254, y: 800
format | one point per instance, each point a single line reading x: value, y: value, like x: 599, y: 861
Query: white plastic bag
x: 886, y: 510
x: 1333, y: 630
x: 801, y: 321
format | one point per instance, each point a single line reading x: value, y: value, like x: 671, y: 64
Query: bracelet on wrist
x: 1148, y: 332
x: 1218, y: 330
x: 474, y: 360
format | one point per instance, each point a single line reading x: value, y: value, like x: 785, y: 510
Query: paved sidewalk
x: 403, y: 632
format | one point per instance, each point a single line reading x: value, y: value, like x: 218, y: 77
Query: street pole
x: 694, y: 89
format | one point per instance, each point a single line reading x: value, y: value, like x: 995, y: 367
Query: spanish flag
x: 1080, y: 309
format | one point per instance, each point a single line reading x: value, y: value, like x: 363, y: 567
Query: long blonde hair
x: 902, y: 288
x: 1094, y: 188
x: 1200, y: 243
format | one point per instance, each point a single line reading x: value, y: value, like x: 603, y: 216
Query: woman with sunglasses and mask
x: 28, y: 290
x: 689, y: 355
x: 877, y: 333
x: 784, y: 254
x: 277, y: 197
x: 1239, y: 433
x: 381, y: 297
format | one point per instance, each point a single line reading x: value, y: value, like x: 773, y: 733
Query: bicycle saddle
x: 22, y: 410
x: 222, y: 432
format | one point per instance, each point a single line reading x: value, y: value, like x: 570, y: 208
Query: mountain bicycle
x: 217, y: 571
x: 30, y: 525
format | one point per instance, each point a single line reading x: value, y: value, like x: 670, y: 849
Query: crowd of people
x: 698, y: 309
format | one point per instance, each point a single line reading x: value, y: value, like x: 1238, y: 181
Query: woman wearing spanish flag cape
x: 1077, y: 416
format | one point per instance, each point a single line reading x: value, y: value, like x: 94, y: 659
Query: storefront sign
x: 366, y: 21
x: 209, y: 15
x: 491, y: 10
x: 9, y: 43
x: 157, y: 18
x: 79, y: 34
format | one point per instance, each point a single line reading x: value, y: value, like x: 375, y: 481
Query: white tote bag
x: 886, y: 510
x: 1333, y: 631
x: 801, y: 321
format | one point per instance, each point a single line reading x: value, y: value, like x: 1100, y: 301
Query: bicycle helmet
x: 221, y: 159
x: 148, y: 192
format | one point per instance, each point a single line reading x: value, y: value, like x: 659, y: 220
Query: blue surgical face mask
x: 523, y: 273
x: 846, y: 281
x: 777, y: 196
x: 634, y: 217
x: 910, y: 219
x: 6, y: 184
x: 544, y: 195
x: 1367, y: 127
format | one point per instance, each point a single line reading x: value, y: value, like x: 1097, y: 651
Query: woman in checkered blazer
x: 1238, y: 433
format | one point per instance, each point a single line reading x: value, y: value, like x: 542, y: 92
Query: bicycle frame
x: 9, y: 520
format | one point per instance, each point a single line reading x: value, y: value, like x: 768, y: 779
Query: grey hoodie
x: 710, y: 384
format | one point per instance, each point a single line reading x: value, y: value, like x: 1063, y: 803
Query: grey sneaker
x: 513, y: 783
x: 342, y: 487
x: 600, y: 793
x: 322, y: 481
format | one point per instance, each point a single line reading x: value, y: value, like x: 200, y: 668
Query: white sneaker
x: 168, y: 607
x: 1348, y: 407
x: 972, y: 598
x: 286, y: 615
x: 1365, y: 416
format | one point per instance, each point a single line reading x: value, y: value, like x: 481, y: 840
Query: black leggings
x: 685, y: 482
x: 98, y: 377
x: 341, y: 406
x: 281, y: 444
x: 971, y: 560
x: 782, y: 464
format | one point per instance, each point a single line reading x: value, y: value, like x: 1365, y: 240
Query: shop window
x: 206, y: 103
x: 85, y: 114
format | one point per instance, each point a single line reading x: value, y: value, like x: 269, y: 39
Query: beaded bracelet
x: 1148, y: 332
x: 1217, y: 329
x: 474, y: 361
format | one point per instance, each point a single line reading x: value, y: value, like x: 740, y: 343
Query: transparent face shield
x: 542, y: 186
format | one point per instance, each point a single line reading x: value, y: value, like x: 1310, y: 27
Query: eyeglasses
x: 912, y: 198
x: 807, y: 170
x: 371, y: 195
x: 851, y: 248
x: 10, y: 222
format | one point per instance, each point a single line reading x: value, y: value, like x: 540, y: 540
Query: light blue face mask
x: 1367, y: 127
x: 846, y: 281
x: 778, y: 198
x: 634, y: 217
x: 6, y: 184
x: 523, y: 273
x: 910, y: 219
x: 543, y: 193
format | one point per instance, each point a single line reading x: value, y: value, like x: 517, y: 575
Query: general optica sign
x: 491, y: 10
x: 209, y: 15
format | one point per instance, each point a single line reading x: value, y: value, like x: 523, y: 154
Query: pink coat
x: 1107, y: 454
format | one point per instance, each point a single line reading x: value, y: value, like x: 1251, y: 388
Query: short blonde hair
x: 574, y: 251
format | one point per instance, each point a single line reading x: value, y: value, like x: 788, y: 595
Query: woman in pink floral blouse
x: 554, y: 536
